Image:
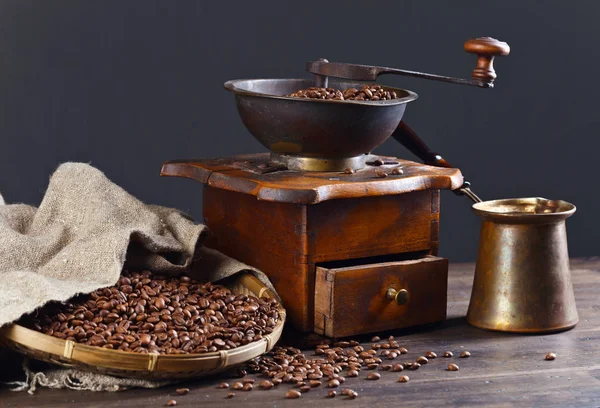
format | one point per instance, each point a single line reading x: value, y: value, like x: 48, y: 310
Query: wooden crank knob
x: 486, y: 49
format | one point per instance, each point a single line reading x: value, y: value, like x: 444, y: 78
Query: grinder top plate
x: 256, y: 175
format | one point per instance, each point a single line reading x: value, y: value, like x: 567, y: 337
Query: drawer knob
x: 398, y: 296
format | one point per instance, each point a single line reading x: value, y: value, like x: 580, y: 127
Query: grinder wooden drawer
x: 354, y: 300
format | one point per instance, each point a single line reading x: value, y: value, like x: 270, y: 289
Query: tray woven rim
x: 70, y: 354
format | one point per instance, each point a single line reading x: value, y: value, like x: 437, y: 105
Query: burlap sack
x: 80, y: 237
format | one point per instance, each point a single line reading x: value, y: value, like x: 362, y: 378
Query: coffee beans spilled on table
x: 365, y: 93
x: 147, y: 313
x: 331, y: 367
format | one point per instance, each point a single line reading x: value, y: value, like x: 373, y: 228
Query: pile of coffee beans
x: 147, y: 313
x: 366, y: 93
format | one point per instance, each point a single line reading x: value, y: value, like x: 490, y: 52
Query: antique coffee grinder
x: 348, y: 238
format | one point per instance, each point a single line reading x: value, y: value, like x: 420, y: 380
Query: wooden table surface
x: 505, y: 370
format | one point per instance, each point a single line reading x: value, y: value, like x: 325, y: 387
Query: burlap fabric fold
x: 85, y: 231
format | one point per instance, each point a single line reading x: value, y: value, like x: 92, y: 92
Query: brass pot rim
x: 524, y: 210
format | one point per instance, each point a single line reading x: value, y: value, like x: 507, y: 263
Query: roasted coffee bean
x: 349, y: 171
x: 373, y: 376
x: 403, y: 379
x: 381, y: 174
x: 333, y: 383
x: 352, y: 394
x: 375, y: 339
x: 402, y: 350
x: 397, y: 367
x: 237, y: 386
x: 314, y: 383
x: 247, y: 387
x: 550, y: 356
x: 231, y: 395
x: 465, y: 354
x: 331, y: 394
x: 422, y: 360
x: 385, y: 367
x: 352, y: 373
x: 182, y: 391
x: 414, y: 366
x: 150, y: 313
x: 430, y: 355
x: 305, y: 388
x: 448, y: 354
x: 171, y: 403
x: 266, y: 385
x: 397, y: 171
x: 293, y: 394
x: 452, y: 367
x: 223, y: 385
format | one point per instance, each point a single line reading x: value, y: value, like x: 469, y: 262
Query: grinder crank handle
x: 483, y: 75
x: 409, y: 139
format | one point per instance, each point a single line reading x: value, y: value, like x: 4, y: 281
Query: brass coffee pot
x: 522, y: 278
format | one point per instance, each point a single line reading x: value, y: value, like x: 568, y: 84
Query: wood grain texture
x: 352, y: 300
x: 505, y: 370
x: 250, y: 174
x: 372, y: 226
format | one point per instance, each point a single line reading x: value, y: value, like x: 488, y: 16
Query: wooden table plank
x: 505, y: 370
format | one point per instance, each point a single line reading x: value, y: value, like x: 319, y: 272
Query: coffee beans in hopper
x: 365, y: 93
x: 143, y: 313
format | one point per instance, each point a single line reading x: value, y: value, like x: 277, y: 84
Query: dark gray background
x: 125, y: 85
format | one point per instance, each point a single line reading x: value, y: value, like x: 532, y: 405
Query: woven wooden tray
x: 67, y: 353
